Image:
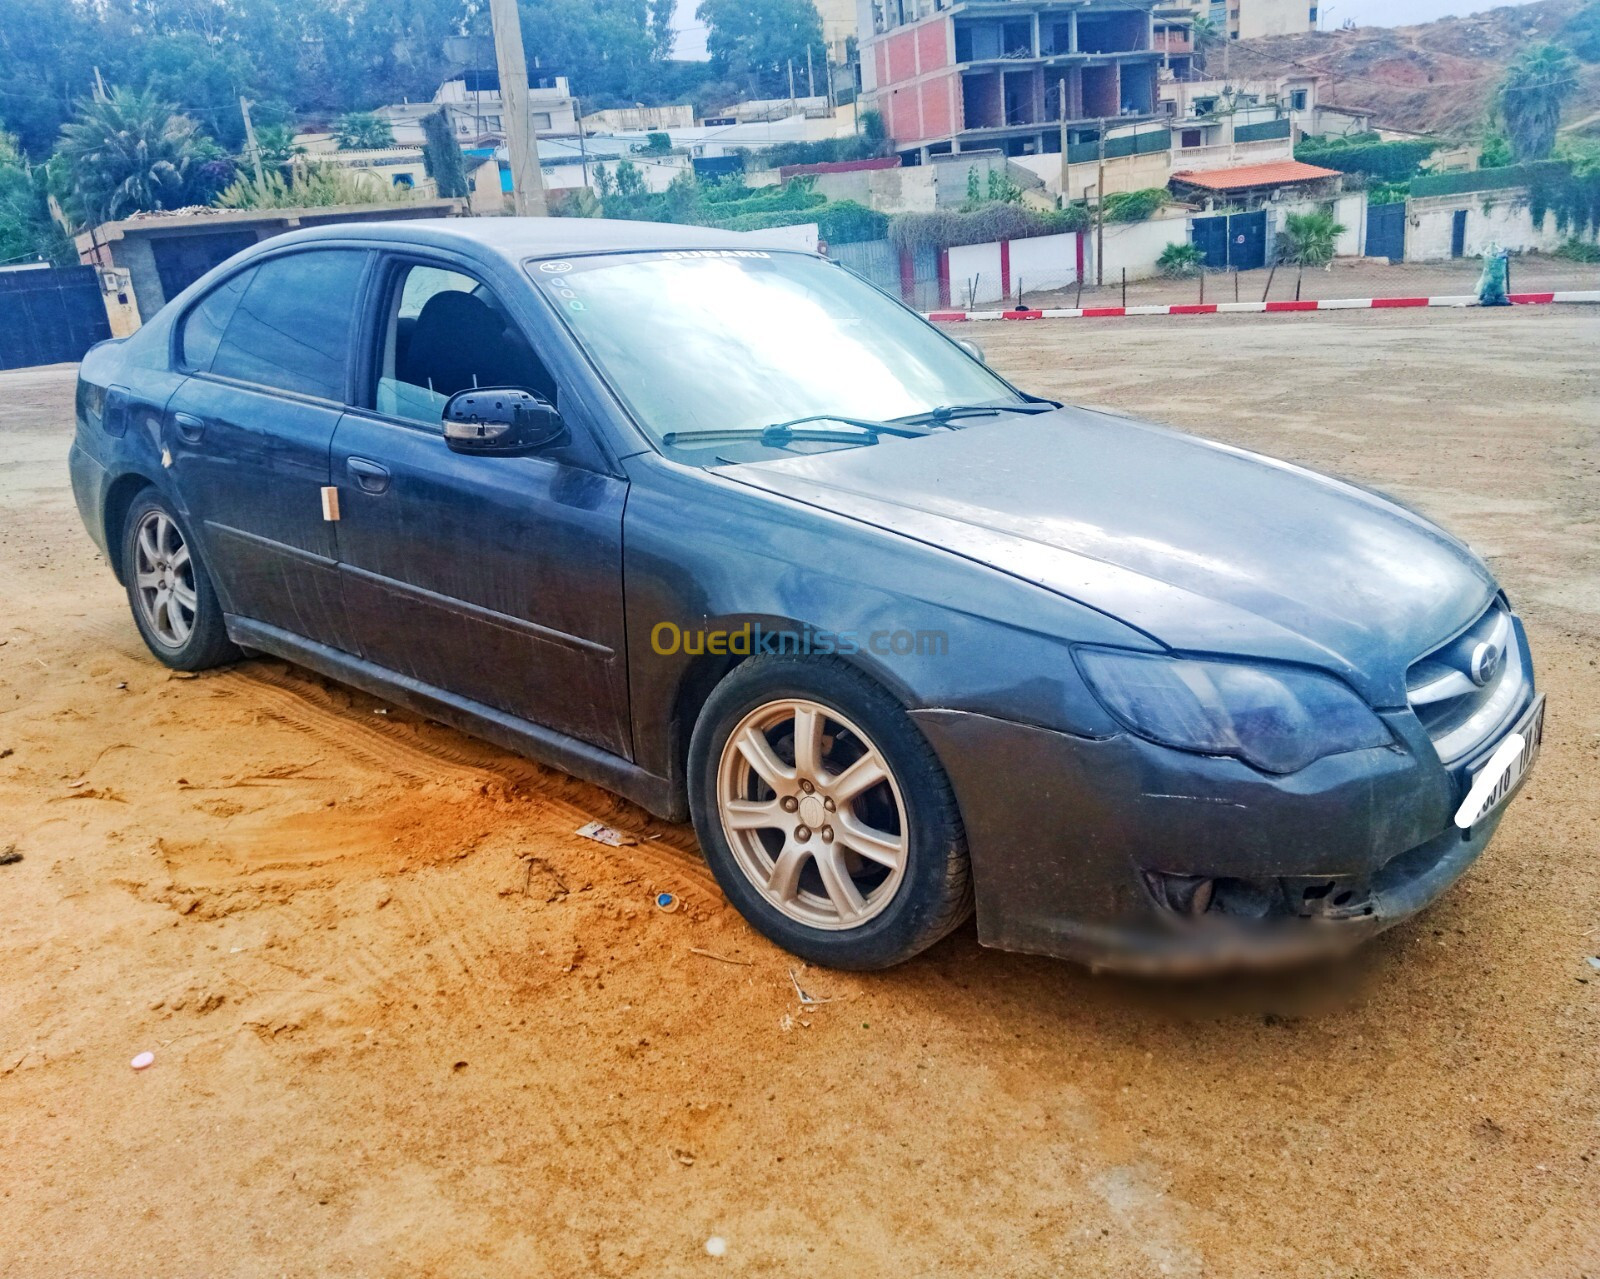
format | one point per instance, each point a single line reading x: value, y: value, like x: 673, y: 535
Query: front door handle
x: 190, y: 427
x: 369, y: 475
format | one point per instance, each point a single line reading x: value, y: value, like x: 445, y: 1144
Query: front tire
x: 825, y: 815
x: 173, y: 602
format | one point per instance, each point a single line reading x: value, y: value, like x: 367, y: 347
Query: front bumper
x: 1072, y: 838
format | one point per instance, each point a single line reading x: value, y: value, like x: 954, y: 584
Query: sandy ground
x: 387, y: 1045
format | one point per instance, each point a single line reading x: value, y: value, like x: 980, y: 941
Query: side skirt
x: 581, y: 760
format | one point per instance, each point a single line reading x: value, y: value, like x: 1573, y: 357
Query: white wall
x: 975, y: 261
x: 1349, y: 210
x: 1044, y: 261
x: 1506, y: 224
x: 1136, y: 246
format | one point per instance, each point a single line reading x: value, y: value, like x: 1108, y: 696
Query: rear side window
x: 204, y: 326
x: 291, y: 326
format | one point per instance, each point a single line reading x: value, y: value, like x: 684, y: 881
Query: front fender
x: 707, y: 557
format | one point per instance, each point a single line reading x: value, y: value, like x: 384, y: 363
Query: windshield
x: 732, y: 341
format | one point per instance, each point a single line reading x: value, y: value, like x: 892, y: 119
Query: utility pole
x: 792, y: 107
x: 811, y: 81
x: 522, y: 144
x: 1065, y: 195
x: 250, y: 141
x: 1100, y: 213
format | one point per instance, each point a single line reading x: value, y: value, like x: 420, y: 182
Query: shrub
x: 1180, y: 260
x: 310, y: 188
x: 846, y: 222
x: 1576, y: 250
x: 1136, y: 206
x: 1364, y: 153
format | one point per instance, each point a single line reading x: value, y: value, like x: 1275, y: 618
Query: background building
x: 1008, y: 76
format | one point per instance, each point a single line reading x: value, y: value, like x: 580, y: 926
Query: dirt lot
x: 387, y: 1046
x: 1343, y: 278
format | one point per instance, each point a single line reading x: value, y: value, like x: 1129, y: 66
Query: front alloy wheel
x: 825, y: 815
x: 813, y: 814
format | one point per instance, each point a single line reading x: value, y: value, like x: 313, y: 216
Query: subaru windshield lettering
x: 720, y: 526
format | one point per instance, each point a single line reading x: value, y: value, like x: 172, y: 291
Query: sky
x: 1367, y: 13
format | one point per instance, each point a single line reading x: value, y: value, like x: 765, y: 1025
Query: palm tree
x: 127, y: 153
x: 1536, y: 86
x: 362, y: 131
x: 1308, y: 239
x: 1204, y: 33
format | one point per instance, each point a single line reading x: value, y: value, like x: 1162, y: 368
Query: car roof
x: 519, y: 238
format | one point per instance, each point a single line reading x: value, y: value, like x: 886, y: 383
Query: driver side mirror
x: 971, y: 348
x: 501, y: 420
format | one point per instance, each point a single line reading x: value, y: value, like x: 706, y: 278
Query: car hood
x: 1203, y: 547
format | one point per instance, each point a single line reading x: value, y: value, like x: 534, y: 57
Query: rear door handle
x: 369, y: 475
x: 190, y: 427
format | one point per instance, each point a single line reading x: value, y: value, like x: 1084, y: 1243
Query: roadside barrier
x: 1226, y: 308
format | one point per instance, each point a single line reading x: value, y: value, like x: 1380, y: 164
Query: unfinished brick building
x: 1005, y: 73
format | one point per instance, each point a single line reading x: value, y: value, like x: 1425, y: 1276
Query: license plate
x: 1493, y: 783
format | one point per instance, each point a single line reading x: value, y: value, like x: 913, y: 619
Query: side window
x: 446, y: 332
x: 205, y: 324
x: 292, y: 326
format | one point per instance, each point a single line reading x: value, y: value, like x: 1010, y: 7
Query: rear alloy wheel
x: 169, y: 590
x: 825, y: 815
x: 163, y: 579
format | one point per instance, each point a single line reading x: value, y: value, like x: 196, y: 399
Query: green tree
x: 1495, y: 152
x: 1536, y: 86
x: 129, y: 153
x: 630, y: 182
x: 441, y: 156
x: 362, y: 131
x: 1308, y: 239
x: 756, y: 40
x: 662, y: 35
x: 1206, y: 34
x: 974, y: 189
x: 605, y: 47
x: 27, y: 231
x: 277, y: 145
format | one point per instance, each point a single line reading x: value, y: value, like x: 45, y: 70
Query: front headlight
x: 1277, y: 718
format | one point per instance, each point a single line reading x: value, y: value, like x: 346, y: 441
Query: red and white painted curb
x: 1229, y: 308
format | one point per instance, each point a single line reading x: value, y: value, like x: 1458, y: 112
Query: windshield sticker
x: 715, y: 253
x: 555, y: 268
x: 561, y: 287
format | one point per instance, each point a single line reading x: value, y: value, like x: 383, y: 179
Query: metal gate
x: 1210, y: 236
x: 50, y: 315
x: 875, y: 260
x: 1237, y: 240
x: 1386, y: 231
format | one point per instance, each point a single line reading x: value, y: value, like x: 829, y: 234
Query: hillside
x: 1433, y: 78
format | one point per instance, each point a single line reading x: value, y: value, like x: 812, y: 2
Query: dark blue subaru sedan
x: 723, y: 528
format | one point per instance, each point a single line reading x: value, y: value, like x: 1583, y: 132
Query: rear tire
x: 173, y: 602
x: 825, y: 815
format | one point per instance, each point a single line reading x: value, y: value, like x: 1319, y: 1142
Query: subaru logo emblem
x: 1485, y: 663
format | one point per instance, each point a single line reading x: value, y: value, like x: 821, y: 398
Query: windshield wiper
x: 862, y: 431
x: 945, y: 413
